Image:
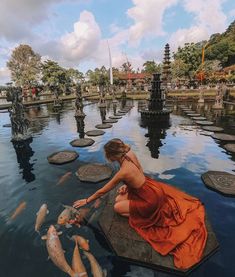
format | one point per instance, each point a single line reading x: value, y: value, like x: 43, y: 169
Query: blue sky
x: 75, y: 32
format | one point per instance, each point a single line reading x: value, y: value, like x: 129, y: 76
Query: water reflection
x: 156, y: 135
x: 80, y: 126
x: 102, y: 113
x: 23, y: 153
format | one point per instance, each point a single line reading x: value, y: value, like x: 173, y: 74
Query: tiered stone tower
x: 156, y: 111
x: 166, y: 72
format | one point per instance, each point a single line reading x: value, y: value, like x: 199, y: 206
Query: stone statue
x: 18, y: 121
x: 78, y: 103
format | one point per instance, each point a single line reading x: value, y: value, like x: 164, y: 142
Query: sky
x: 76, y: 33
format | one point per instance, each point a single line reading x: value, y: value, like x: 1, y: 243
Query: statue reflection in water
x: 156, y: 134
x: 23, y: 153
x: 102, y: 114
x: 80, y: 126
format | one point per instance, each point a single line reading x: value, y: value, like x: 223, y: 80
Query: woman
x: 169, y: 219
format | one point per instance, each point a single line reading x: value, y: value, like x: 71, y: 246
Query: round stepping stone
x: 204, y: 122
x: 110, y: 121
x: 94, y: 173
x: 7, y: 125
x: 103, y: 126
x: 206, y: 133
x: 42, y: 116
x: 212, y: 129
x: 83, y: 142
x: 230, y: 147
x: 220, y: 181
x: 62, y: 157
x: 95, y: 133
x: 193, y: 114
x: 120, y: 114
x: 199, y: 118
x: 223, y: 136
x: 115, y: 117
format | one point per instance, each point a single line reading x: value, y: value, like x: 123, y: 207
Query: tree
x: 75, y: 75
x: 54, y: 76
x: 190, y: 55
x: 24, y: 65
x: 179, y: 69
x: 151, y: 67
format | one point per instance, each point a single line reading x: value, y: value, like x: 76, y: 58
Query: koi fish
x: 41, y: 216
x: 56, y: 252
x: 83, y: 243
x: 18, y: 210
x: 64, y: 178
x: 77, y: 264
x: 67, y: 214
x: 95, y: 267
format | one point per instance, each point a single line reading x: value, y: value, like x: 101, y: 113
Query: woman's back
x: 132, y: 170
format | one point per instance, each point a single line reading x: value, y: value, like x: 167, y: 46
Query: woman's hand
x: 80, y: 203
x: 123, y: 189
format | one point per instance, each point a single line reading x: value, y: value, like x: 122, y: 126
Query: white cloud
x: 232, y: 13
x: 208, y: 18
x: 148, y: 18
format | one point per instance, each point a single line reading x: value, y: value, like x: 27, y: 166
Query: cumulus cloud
x: 208, y: 18
x: 148, y: 18
x: 18, y: 17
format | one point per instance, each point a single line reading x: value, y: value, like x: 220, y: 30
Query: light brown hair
x: 115, y: 148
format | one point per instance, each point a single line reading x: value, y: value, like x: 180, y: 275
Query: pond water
x: 178, y: 155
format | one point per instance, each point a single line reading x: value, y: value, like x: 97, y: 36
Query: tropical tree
x: 24, y: 65
x: 151, y: 67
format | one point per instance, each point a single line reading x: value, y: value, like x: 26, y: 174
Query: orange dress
x: 172, y: 221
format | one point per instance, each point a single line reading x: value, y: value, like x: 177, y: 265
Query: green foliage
x: 190, y: 56
x: 222, y: 47
x: 179, y: 69
x: 100, y: 76
x: 151, y: 67
x: 24, y: 65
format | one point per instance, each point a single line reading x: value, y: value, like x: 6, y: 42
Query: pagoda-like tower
x: 166, y: 72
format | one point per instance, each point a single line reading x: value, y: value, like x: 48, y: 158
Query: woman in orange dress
x: 172, y: 221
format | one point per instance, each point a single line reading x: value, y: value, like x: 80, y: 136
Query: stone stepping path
x: 7, y: 125
x: 82, y: 142
x: 225, y: 137
x: 42, y: 116
x: 110, y: 121
x: 103, y: 126
x: 230, y: 147
x: 95, y: 133
x: 115, y: 117
x: 94, y: 173
x: 220, y: 181
x: 199, y: 118
x: 120, y: 114
x: 116, y: 229
x: 212, y: 128
x: 204, y: 122
x: 193, y: 114
x: 62, y: 157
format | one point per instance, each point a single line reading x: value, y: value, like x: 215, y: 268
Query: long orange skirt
x: 170, y: 220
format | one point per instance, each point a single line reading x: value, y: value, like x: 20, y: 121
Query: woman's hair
x: 115, y: 148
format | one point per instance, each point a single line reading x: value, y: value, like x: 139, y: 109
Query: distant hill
x: 222, y: 47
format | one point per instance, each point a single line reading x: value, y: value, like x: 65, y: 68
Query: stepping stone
x: 110, y: 121
x: 223, y: 136
x: 193, y: 114
x: 3, y: 111
x: 199, y: 118
x: 62, y: 157
x: 83, y: 142
x: 206, y: 133
x: 115, y: 117
x: 124, y: 112
x: 42, y: 116
x: 212, y: 128
x: 7, y: 125
x: 220, y: 181
x: 116, y: 228
x: 95, y: 133
x: 94, y: 173
x: 120, y: 114
x: 204, y: 122
x: 230, y: 147
x: 103, y: 126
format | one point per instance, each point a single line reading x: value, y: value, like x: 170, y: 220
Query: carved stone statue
x: 78, y: 103
x: 18, y: 121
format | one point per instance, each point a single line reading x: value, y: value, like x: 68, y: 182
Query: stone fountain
x: 156, y: 112
x: 19, y: 123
